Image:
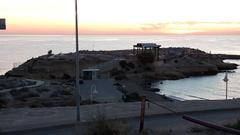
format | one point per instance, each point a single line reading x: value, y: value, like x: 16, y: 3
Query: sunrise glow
x: 122, y: 16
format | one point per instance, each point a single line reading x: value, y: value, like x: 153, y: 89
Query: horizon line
x: 107, y: 34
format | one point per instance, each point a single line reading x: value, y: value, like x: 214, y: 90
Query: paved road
x: 32, y: 118
x: 161, y: 123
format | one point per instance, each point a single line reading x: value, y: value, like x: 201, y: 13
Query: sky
x: 122, y: 16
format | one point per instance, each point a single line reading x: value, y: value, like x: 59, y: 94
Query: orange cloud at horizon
x: 122, y: 17
x: 135, y: 29
x: 116, y: 29
x: 191, y: 27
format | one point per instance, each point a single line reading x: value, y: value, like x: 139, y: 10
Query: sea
x: 16, y: 49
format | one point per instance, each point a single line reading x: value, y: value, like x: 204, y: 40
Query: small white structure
x: 98, y: 89
x: 90, y: 74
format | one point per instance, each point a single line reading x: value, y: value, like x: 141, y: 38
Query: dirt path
x: 38, y: 83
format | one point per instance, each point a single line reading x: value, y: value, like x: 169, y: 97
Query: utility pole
x: 226, y: 80
x: 77, y: 92
x: 142, y: 114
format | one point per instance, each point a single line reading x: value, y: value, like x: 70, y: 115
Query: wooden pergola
x: 147, y: 48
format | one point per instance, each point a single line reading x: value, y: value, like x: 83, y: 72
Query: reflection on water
x: 206, y: 87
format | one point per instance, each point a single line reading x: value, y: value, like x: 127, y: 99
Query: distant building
x: 147, y: 47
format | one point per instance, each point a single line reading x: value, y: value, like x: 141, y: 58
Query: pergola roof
x: 147, y: 45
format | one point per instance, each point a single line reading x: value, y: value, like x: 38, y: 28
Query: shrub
x: 55, y: 94
x: 123, y: 64
x: 127, y: 68
x: 35, y: 103
x: 88, y: 102
x: 42, y: 89
x: 132, y: 97
x: 115, y: 72
x: 66, y: 76
x: 164, y: 61
x: 102, y: 126
x: 131, y: 65
x: 120, y: 77
x: 25, y: 96
x: 148, y: 69
x: 2, y: 103
x: 235, y: 125
x: 196, y: 129
x: 145, y: 58
x: 52, y: 76
x: 50, y: 53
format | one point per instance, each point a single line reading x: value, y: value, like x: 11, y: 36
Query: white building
x: 97, y: 89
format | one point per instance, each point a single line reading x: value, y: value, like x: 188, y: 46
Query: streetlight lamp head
x: 225, y: 79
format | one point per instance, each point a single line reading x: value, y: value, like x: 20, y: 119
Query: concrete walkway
x: 26, y: 118
x: 38, y: 83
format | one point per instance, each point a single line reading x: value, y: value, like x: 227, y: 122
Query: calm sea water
x: 15, y: 49
x: 205, y: 87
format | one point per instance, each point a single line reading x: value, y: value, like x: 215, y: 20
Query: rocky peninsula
x: 174, y: 63
x: 132, y: 74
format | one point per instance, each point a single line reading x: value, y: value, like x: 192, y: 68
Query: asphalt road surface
x: 163, y: 124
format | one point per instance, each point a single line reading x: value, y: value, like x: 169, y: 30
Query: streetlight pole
x: 226, y: 81
x: 77, y: 92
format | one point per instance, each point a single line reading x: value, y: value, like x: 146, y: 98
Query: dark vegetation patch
x: 102, y: 126
x: 145, y: 58
x: 235, y: 125
x: 127, y: 66
x: 132, y: 97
